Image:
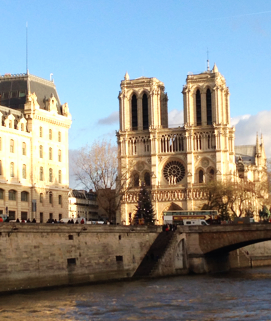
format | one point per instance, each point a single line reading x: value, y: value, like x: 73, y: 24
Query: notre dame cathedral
x: 174, y: 163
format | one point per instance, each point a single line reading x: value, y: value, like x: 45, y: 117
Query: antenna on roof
x: 208, y: 66
x: 27, y: 71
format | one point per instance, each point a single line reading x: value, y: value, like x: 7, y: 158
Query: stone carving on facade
x: 140, y: 166
x: 205, y: 163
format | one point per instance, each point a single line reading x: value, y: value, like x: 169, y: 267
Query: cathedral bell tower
x: 142, y: 103
x: 206, y: 99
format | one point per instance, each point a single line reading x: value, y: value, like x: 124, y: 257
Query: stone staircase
x: 155, y: 253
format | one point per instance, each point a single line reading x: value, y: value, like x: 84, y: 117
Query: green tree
x: 144, y: 208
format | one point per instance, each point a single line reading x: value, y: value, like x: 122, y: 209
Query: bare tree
x: 96, y: 167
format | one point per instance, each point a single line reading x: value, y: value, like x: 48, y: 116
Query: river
x: 238, y: 295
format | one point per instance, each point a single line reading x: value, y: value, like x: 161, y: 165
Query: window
x: 211, y: 174
x: 59, y: 177
x: 41, y: 217
x: 1, y: 168
x: 59, y: 217
x: 50, y: 134
x: 11, y: 169
x: 145, y: 112
x: 134, y: 113
x: 209, y: 107
x: 22, y: 127
x: 24, y: 196
x: 41, y: 197
x: 60, y: 199
x: 1, y: 194
x: 41, y: 131
x: 41, y: 173
x: 59, y: 137
x: 50, y: 175
x: 51, y: 198
x: 136, y: 180
x: 24, y: 149
x: 51, y: 216
x: 147, y: 179
x: 198, y: 107
x: 12, y: 146
x: 10, y: 124
x: 24, y: 216
x: 50, y: 153
x: 41, y: 151
x: 201, y: 176
x: 24, y: 171
x: 12, y: 195
x: 59, y: 155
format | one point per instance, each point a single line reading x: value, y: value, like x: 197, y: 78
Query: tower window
x: 201, y: 176
x: 40, y: 131
x: 59, y: 137
x: 145, y: 112
x: 136, y: 180
x: 198, y: 107
x: 50, y: 134
x: 147, y: 179
x: 209, y: 107
x: 134, y: 112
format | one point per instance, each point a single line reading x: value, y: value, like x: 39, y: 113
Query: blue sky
x: 89, y: 45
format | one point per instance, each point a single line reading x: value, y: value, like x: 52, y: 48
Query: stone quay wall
x: 44, y: 255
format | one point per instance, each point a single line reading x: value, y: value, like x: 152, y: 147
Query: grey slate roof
x: 14, y: 88
x: 247, y: 153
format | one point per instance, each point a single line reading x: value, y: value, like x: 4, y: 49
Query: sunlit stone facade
x: 175, y: 162
x: 34, y: 173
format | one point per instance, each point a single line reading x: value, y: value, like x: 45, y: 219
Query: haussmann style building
x: 34, y: 172
x: 174, y: 163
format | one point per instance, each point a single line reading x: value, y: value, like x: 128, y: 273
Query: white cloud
x: 113, y: 118
x: 175, y: 118
x: 235, y: 120
x: 248, y: 127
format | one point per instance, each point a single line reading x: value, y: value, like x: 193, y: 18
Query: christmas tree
x: 144, y: 210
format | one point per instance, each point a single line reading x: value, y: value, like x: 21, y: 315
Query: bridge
x: 208, y: 247
x: 200, y: 249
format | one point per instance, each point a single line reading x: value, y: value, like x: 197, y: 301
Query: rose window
x: 174, y: 169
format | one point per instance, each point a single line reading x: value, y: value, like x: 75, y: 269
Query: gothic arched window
x: 198, y: 107
x: 134, y: 112
x: 145, y: 112
x: 201, y: 176
x: 211, y: 175
x: 209, y: 107
x: 136, y: 180
x: 147, y: 179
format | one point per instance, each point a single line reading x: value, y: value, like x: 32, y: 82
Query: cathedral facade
x: 174, y: 163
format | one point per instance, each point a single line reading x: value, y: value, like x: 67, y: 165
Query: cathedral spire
x: 126, y: 77
x: 215, y: 69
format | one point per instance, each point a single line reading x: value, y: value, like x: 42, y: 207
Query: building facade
x: 83, y: 204
x: 174, y: 163
x: 34, y: 172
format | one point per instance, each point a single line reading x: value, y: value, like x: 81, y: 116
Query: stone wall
x: 42, y: 255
